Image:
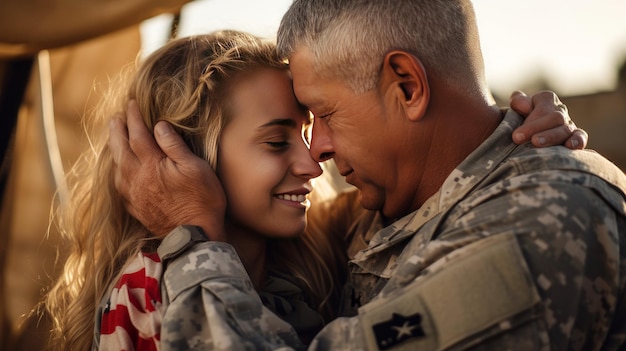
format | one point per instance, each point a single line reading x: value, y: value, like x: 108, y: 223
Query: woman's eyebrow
x: 285, y: 122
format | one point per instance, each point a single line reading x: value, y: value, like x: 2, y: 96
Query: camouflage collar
x: 465, y: 177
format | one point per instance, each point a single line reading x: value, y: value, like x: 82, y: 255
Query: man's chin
x: 371, y: 202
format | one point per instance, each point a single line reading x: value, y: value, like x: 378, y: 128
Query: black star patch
x: 398, y: 329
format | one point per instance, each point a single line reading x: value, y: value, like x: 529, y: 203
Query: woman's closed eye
x: 279, y: 145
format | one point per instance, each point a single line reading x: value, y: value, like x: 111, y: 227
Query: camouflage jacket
x: 209, y: 302
x: 520, y: 249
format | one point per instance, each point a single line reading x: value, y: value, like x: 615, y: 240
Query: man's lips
x: 347, y: 176
x: 345, y: 173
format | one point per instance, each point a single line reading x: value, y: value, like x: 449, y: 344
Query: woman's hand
x: 547, y: 121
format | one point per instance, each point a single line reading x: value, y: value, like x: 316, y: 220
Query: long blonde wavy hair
x: 185, y: 83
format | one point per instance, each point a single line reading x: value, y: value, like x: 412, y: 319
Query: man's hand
x: 547, y: 121
x: 164, y: 184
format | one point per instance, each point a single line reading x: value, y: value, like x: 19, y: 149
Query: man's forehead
x: 301, y: 61
x: 306, y: 81
x: 303, y: 89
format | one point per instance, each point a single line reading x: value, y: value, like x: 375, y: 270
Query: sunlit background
x: 573, y: 45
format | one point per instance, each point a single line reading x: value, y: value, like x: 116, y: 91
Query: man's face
x: 359, y: 131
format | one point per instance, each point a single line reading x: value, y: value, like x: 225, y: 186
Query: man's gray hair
x: 349, y: 38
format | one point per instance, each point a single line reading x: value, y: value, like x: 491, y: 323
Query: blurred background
x: 56, y: 56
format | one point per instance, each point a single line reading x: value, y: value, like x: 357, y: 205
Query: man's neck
x: 459, y: 128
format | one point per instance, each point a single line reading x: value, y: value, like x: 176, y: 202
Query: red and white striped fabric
x: 132, y: 319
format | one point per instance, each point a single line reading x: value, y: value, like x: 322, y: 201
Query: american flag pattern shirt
x: 131, y: 319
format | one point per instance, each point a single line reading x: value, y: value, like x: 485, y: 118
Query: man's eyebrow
x: 285, y: 122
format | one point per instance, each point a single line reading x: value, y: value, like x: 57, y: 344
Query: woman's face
x: 264, y: 162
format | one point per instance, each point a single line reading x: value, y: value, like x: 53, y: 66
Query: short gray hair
x: 349, y: 38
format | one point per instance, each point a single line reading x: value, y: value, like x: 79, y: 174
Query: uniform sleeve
x: 453, y: 302
x: 213, y: 306
x: 526, y: 264
x: 570, y: 231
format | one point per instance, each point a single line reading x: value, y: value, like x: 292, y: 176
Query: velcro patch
x: 477, y: 287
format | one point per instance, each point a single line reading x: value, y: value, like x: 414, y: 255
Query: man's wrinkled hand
x: 163, y: 183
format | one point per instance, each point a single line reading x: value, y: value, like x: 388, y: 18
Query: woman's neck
x: 251, y: 248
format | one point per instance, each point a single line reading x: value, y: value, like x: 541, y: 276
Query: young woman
x: 230, y: 96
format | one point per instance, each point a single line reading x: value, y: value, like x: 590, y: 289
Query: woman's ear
x: 404, y: 74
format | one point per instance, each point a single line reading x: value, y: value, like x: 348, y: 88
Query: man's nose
x: 321, y: 146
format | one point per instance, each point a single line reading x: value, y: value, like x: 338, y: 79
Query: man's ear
x: 404, y: 74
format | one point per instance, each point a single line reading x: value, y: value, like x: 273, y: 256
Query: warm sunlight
x: 574, y: 45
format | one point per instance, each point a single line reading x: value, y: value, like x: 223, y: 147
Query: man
x: 473, y: 241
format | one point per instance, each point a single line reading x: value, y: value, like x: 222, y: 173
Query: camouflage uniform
x: 521, y: 248
x: 208, y: 301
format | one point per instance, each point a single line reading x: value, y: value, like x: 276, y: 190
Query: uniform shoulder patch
x: 397, y: 329
x: 473, y: 289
